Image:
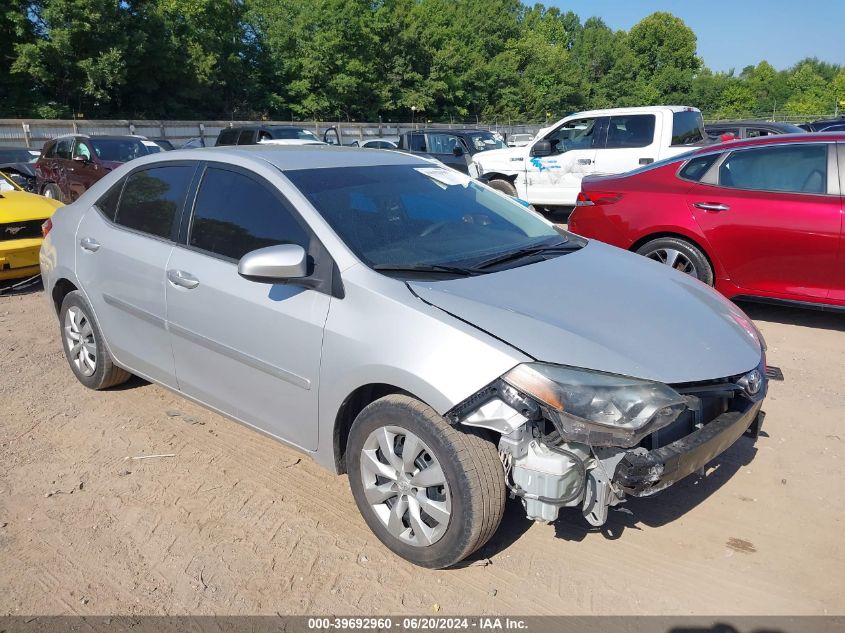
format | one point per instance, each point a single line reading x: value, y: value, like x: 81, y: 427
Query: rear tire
x: 455, y: 474
x: 680, y: 254
x: 53, y: 191
x: 84, y: 345
x: 505, y: 186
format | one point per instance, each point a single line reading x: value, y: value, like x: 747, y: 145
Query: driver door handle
x: 711, y: 206
x: 585, y: 161
x: 182, y: 279
x: 89, y: 244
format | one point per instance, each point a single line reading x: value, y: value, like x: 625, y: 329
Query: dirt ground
x: 236, y: 523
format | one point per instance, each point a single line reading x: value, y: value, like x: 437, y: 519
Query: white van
x: 548, y: 171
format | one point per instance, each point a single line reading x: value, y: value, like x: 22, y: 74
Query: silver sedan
x: 401, y: 323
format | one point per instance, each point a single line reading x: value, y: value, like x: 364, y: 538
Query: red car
x: 759, y: 218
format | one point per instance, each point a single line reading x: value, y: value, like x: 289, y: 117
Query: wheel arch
x: 349, y: 409
x: 496, y: 175
x: 61, y: 289
x: 693, y: 239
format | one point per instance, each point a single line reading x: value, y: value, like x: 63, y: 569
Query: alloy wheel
x: 79, y: 338
x: 405, y: 486
x: 675, y: 259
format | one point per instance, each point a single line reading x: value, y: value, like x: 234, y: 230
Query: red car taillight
x: 46, y: 226
x: 588, y: 199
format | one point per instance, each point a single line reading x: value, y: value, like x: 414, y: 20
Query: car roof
x: 779, y: 125
x: 101, y: 136
x: 431, y: 130
x: 292, y: 157
x: 775, y: 139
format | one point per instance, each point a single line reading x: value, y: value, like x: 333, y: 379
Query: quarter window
x: 792, y: 168
x: 152, y: 199
x: 108, y: 203
x: 696, y: 168
x: 633, y: 130
x: 235, y: 214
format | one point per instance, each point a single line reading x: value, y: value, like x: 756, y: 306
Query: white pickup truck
x: 548, y: 171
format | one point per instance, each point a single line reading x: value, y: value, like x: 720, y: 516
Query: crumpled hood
x: 605, y: 309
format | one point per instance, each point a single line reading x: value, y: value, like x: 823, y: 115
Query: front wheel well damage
x: 349, y: 410
x: 61, y: 289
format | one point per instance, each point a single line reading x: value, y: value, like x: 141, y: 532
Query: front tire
x: 84, y: 345
x: 506, y: 187
x: 53, y: 191
x: 431, y: 493
x: 680, y: 254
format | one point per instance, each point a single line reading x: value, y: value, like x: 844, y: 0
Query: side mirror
x: 274, y: 263
x: 79, y: 158
x: 541, y: 148
x: 458, y: 150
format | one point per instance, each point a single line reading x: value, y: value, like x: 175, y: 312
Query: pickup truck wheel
x: 680, y: 254
x: 500, y: 184
x: 431, y: 493
x: 52, y: 191
x: 84, y: 345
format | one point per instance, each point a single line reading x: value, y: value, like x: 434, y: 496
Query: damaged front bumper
x: 642, y: 473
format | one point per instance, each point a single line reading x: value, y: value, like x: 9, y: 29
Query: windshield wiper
x: 427, y: 268
x: 527, y: 251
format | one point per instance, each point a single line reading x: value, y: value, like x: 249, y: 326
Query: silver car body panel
x: 283, y: 359
x: 606, y: 309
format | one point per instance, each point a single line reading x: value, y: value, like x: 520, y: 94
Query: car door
x: 837, y: 291
x: 630, y: 143
x: 556, y: 179
x: 83, y: 171
x: 123, y: 245
x: 247, y: 348
x: 61, y: 165
x: 773, y: 219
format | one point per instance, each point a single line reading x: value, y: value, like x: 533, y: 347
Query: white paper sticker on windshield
x: 445, y: 176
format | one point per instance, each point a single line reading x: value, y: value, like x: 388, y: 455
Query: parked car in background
x: 164, y: 144
x: 548, y: 172
x: 406, y: 325
x: 825, y: 125
x: 454, y: 148
x: 519, y: 140
x: 21, y: 216
x: 18, y: 164
x: 376, y: 143
x: 253, y: 134
x: 193, y: 143
x: 70, y: 164
x: 757, y: 218
x: 751, y: 129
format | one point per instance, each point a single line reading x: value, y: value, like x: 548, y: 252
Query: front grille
x: 20, y: 230
x: 707, y: 401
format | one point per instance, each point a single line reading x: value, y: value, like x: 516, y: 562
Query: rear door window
x: 794, y: 168
x: 417, y: 143
x: 687, y: 127
x: 153, y: 198
x: 631, y: 130
x: 235, y: 214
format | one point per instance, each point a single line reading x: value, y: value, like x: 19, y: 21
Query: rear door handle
x: 585, y: 161
x: 182, y: 279
x: 89, y: 244
x: 711, y: 206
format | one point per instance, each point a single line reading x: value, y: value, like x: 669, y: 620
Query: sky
x: 737, y: 33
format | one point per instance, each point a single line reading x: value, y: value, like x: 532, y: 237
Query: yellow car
x: 21, y: 216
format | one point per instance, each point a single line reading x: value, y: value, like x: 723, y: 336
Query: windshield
x: 304, y: 135
x: 417, y: 215
x: 14, y: 155
x: 687, y: 128
x: 482, y: 141
x: 118, y: 149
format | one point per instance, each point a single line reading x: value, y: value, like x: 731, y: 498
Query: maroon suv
x: 70, y: 164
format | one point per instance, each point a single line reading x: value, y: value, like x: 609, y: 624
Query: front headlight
x: 595, y: 408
